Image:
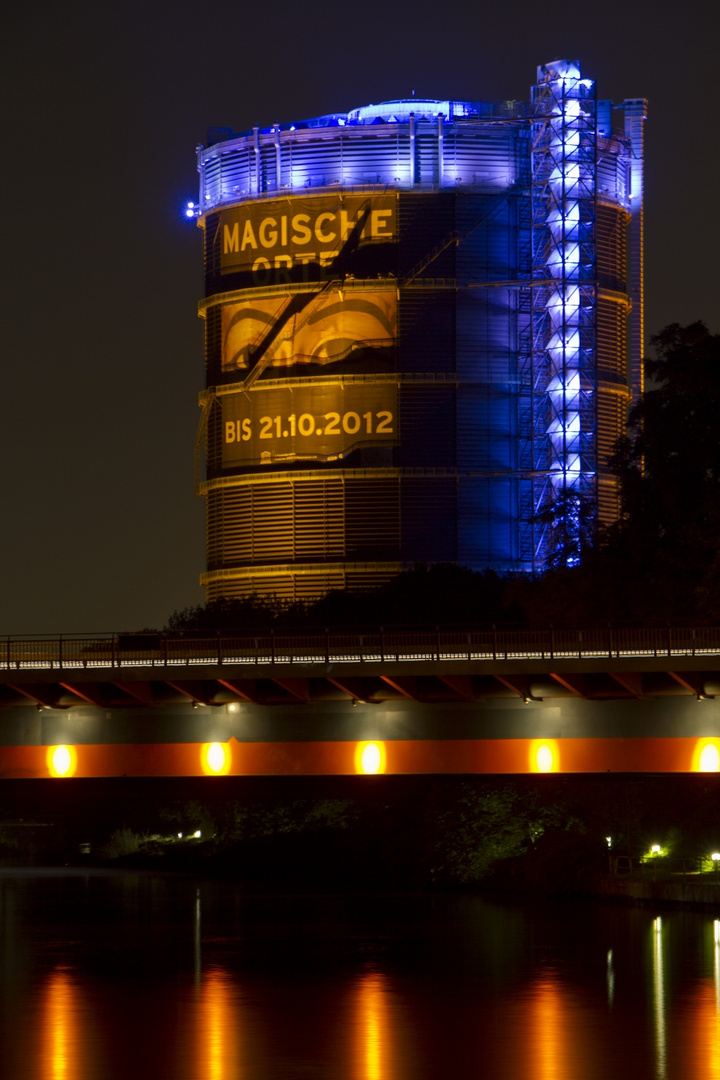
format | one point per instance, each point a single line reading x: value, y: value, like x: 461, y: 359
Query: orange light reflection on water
x: 703, y: 1019
x: 60, y: 1029
x: 704, y: 1036
x: 217, y: 1047
x: 373, y: 1028
x: 547, y: 1031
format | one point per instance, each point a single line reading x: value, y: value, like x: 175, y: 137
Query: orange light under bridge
x: 367, y: 757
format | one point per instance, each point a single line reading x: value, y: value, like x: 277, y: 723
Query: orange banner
x: 315, y: 422
x: 278, y: 235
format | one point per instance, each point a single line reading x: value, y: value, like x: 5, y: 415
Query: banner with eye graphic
x: 326, y: 330
x: 316, y: 420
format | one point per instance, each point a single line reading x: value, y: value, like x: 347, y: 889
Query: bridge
x: 338, y: 702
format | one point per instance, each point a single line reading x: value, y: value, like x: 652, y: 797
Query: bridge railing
x: 348, y: 646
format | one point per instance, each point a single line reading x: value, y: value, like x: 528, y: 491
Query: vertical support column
x: 258, y: 166
x: 440, y: 147
x: 564, y: 310
x: 412, y: 148
x: 202, y: 201
x: 635, y: 116
x: 278, y: 157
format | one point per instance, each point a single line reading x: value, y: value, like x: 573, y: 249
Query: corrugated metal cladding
x: 478, y: 151
x: 304, y: 520
x: 612, y: 310
x: 388, y: 257
x: 611, y: 226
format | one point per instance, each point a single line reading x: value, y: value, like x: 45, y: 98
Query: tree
x: 669, y: 464
x: 569, y: 521
x: 669, y: 472
x: 661, y: 562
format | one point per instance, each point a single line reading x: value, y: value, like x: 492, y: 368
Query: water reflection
x: 706, y: 1011
x: 610, y: 979
x: 197, y: 951
x: 658, y: 979
x: 704, y: 1051
x: 106, y: 983
x: 548, y: 1030
x: 373, y: 1028
x: 60, y: 1041
x: 218, y: 1028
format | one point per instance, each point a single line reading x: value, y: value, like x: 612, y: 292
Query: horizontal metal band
x: 615, y: 297
x: 300, y: 570
x: 484, y: 186
x: 618, y: 207
x: 327, y: 474
x: 621, y: 389
x: 360, y: 284
x: 376, y: 284
x: 410, y: 378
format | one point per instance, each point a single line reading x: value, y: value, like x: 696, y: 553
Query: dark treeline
x: 659, y: 565
x: 437, y: 595
x: 520, y: 835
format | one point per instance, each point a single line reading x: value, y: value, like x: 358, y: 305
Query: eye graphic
x: 335, y: 330
x: 244, y: 327
x: 324, y: 336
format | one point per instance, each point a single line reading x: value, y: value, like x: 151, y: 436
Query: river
x: 110, y: 975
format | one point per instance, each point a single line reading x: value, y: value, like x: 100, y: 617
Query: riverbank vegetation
x: 518, y: 835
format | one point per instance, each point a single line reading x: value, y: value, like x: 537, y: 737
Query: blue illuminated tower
x: 417, y: 339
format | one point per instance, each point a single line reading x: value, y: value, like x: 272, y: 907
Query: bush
x: 121, y: 842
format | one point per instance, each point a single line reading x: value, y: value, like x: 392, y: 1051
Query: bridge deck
x: 432, y: 665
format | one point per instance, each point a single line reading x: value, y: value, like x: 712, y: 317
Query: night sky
x: 103, y: 106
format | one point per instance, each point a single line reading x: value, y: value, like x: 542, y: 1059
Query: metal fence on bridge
x: 321, y: 647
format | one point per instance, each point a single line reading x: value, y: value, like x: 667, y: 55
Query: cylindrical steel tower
x: 415, y: 338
